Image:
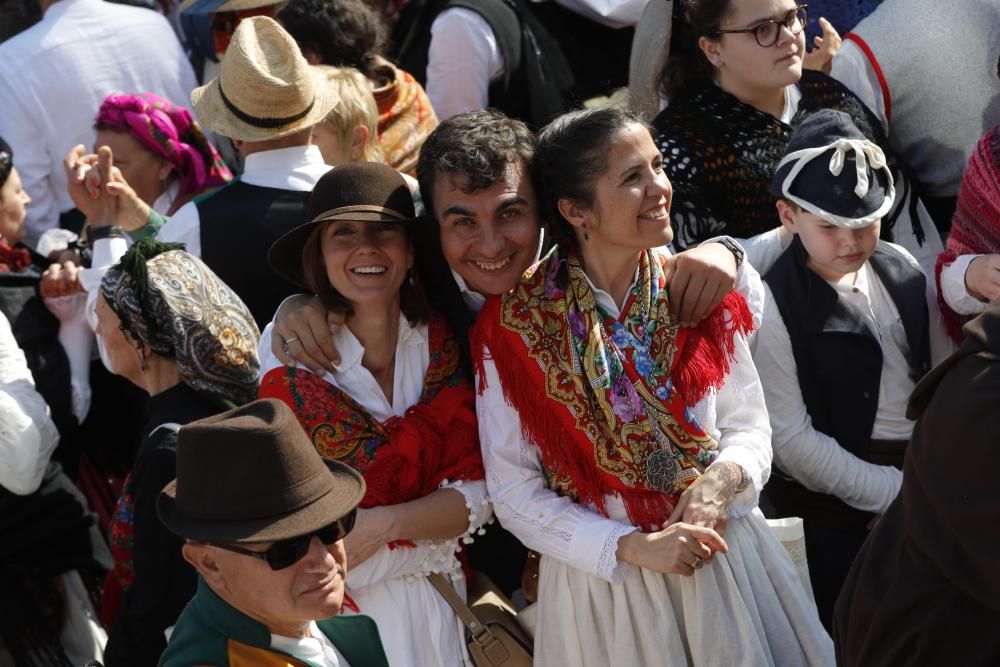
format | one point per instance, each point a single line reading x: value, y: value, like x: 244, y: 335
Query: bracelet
x: 744, y: 480
x: 109, y: 232
x: 733, y: 247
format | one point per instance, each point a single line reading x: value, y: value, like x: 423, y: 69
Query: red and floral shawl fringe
x: 567, y: 452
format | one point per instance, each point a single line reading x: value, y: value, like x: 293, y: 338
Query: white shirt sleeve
x: 853, y: 69
x: 543, y: 520
x: 764, y: 249
x: 462, y: 60
x: 27, y: 435
x: 741, y: 418
x: 814, y: 459
x: 20, y: 128
x: 612, y: 13
x: 954, y: 290
x: 184, y: 227
x: 941, y: 344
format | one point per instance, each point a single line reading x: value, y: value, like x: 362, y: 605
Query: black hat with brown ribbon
x: 360, y: 191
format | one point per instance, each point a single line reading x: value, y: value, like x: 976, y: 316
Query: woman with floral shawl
x: 397, y: 407
x: 629, y: 451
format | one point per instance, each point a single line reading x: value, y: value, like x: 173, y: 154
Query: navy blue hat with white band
x: 833, y: 171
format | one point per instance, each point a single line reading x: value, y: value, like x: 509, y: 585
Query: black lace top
x: 720, y: 155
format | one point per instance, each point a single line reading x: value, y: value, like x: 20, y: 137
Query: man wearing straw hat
x: 264, y: 517
x: 266, y: 99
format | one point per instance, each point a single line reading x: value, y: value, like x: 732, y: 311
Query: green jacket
x: 211, y: 632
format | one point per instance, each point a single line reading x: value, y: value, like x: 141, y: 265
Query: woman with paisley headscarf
x: 173, y: 328
x: 627, y: 450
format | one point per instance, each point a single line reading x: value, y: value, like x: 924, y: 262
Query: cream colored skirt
x: 746, y: 607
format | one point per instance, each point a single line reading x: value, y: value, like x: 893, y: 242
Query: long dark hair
x: 571, y: 155
x: 686, y: 64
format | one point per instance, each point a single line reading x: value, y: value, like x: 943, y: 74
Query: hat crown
x: 361, y: 184
x: 263, y: 74
x: 248, y: 464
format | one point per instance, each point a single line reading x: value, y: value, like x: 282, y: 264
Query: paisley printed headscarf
x: 169, y: 300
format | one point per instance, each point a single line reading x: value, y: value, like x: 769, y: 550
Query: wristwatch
x: 744, y: 480
x: 733, y: 247
x: 108, y: 232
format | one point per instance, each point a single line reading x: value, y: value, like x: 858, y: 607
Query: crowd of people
x: 406, y: 305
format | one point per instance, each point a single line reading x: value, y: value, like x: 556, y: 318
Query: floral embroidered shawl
x: 607, y: 400
x: 404, y: 458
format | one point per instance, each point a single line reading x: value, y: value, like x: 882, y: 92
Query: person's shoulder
x: 357, y: 637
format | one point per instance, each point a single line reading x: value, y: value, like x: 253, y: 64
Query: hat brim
x: 285, y: 255
x: 347, y: 488
x: 230, y: 6
x: 214, y: 115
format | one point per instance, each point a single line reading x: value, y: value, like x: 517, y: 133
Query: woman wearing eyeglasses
x: 170, y: 326
x: 737, y: 89
x: 397, y: 408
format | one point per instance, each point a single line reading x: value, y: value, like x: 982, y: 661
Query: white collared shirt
x: 813, y: 458
x: 55, y: 75
x: 297, y: 168
x: 316, y: 649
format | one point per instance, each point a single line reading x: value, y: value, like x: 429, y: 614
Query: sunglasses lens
x: 337, y: 530
x: 288, y: 552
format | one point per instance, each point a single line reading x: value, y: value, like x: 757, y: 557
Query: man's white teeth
x: 369, y: 269
x: 493, y: 266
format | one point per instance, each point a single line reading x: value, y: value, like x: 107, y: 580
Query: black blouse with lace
x: 720, y: 155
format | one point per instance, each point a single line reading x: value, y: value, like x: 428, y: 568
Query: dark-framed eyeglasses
x: 768, y: 32
x: 289, y: 552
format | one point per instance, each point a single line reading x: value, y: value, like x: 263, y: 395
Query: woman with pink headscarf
x: 160, y: 150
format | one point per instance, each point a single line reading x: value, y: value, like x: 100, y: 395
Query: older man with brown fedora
x: 264, y: 517
x: 266, y: 99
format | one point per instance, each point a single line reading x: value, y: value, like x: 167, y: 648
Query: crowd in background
x: 672, y: 324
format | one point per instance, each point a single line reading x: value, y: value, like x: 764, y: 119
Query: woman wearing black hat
x: 398, y: 408
x: 170, y: 326
x: 737, y: 89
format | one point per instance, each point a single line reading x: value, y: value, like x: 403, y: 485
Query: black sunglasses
x: 289, y: 552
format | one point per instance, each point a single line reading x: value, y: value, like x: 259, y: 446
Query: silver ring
x: 291, y: 340
x: 698, y: 563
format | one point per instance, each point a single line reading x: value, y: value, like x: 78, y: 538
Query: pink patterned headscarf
x: 168, y: 131
x: 975, y: 227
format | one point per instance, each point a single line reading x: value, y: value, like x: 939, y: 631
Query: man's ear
x: 359, y: 139
x: 575, y: 213
x: 202, y: 558
x: 787, y: 216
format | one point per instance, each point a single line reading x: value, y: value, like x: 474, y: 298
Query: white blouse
x: 578, y: 535
x: 27, y: 435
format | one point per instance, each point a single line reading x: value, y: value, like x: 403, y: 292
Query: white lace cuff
x: 609, y: 567
x: 476, y: 501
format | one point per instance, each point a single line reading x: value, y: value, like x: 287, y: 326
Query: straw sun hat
x: 265, y: 88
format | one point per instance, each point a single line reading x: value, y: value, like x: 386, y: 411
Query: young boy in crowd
x: 849, y: 327
x: 349, y: 133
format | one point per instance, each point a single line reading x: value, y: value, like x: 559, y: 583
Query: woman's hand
x: 60, y: 280
x: 77, y: 165
x: 677, y: 549
x: 982, y: 278
x: 370, y: 533
x: 821, y: 58
x: 303, y: 333
x: 699, y: 279
x: 707, y: 501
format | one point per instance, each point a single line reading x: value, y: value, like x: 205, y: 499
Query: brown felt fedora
x: 252, y: 475
x: 265, y: 88
x: 362, y: 191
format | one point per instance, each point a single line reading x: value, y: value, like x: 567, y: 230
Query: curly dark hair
x: 477, y: 145
x: 344, y: 33
x: 572, y: 154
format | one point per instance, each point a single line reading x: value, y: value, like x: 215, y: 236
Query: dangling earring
x: 409, y: 275
x: 586, y: 233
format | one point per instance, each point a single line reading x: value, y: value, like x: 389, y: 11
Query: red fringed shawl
x: 600, y: 396
x: 406, y: 457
